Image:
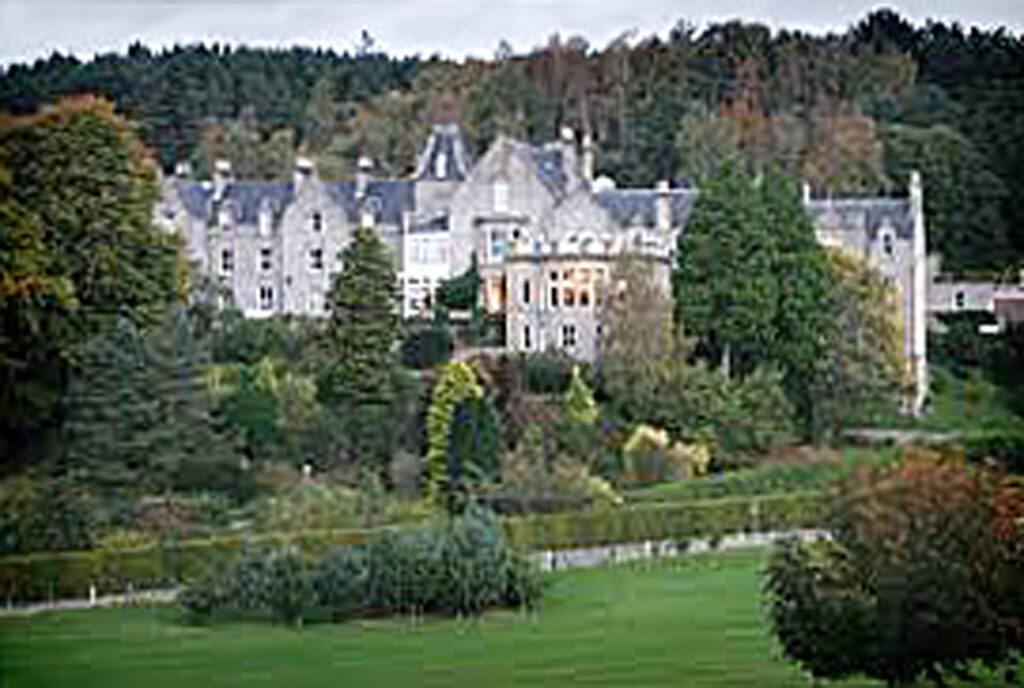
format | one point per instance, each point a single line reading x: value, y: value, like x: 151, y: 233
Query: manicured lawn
x: 694, y: 621
x: 771, y: 478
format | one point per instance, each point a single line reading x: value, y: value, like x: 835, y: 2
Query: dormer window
x: 317, y: 222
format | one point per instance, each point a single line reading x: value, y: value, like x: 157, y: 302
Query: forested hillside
x: 851, y: 113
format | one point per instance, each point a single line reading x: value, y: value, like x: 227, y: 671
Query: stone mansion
x: 544, y: 230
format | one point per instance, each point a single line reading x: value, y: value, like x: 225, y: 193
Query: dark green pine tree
x: 138, y: 412
x: 805, y: 283
x: 359, y: 382
x: 724, y: 282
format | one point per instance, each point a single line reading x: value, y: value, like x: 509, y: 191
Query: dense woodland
x: 852, y: 113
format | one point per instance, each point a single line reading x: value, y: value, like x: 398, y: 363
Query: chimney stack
x: 304, y: 171
x: 587, y: 171
x: 221, y: 177
x: 364, y: 170
x: 182, y: 171
x: 664, y: 207
x: 568, y: 146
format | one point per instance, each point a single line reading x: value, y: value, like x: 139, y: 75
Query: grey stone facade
x: 545, y: 233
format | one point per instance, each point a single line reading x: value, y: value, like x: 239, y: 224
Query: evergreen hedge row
x: 68, y: 575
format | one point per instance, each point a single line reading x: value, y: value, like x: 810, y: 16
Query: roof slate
x: 864, y: 215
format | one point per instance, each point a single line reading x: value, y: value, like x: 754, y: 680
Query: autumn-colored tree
x: 80, y: 249
x: 922, y: 577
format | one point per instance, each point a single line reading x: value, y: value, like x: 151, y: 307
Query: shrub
x: 462, y: 567
x: 426, y: 348
x: 922, y: 579
x: 270, y: 582
x: 307, y: 505
x: 1005, y: 447
x: 546, y: 373
x: 649, y: 455
x: 38, y: 513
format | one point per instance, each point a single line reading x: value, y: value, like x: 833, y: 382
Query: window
x: 584, y: 297
x: 497, y: 244
x: 526, y: 337
x: 440, y: 165
x: 887, y: 244
x: 569, y: 297
x: 554, y: 297
x: 959, y: 300
x: 316, y: 259
x: 568, y: 336
x: 318, y: 222
x: 227, y: 261
x: 265, y: 262
x: 526, y: 291
x: 500, y: 197
x: 266, y: 298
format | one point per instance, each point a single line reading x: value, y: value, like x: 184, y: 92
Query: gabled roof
x: 245, y: 198
x: 249, y: 197
x: 639, y: 207
x: 864, y: 215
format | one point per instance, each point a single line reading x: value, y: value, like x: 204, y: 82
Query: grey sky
x: 454, y: 28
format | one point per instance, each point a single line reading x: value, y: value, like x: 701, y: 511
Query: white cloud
x: 30, y: 29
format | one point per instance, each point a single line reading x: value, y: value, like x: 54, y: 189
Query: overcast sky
x: 454, y: 28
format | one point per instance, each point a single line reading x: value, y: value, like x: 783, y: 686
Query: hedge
x: 1005, y: 447
x: 671, y: 521
x: 68, y: 575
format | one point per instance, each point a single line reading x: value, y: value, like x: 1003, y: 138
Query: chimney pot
x: 664, y: 207
x: 587, y: 171
x: 364, y: 168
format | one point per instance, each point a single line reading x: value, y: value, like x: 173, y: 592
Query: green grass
x: 775, y: 478
x: 694, y: 621
x: 959, y: 405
